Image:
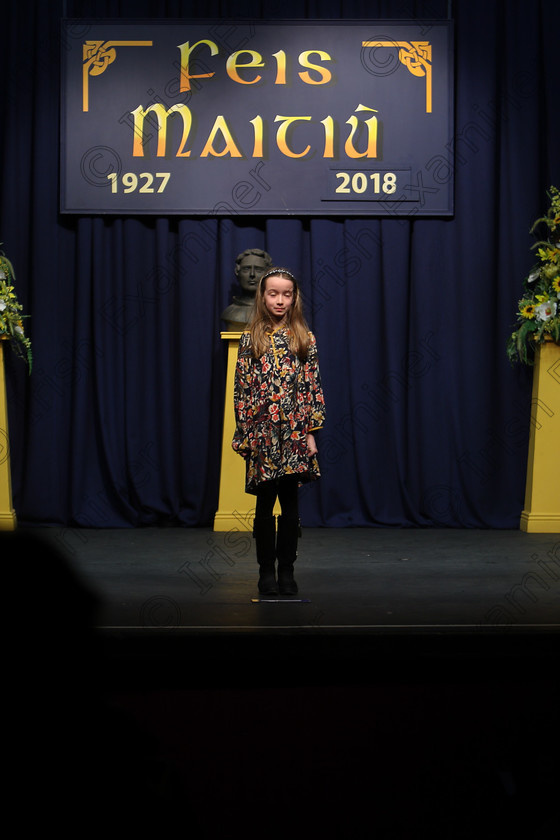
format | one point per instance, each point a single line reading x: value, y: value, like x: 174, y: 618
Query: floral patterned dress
x: 278, y: 400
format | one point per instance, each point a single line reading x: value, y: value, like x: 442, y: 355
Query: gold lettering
x: 220, y: 125
x: 353, y: 122
x: 232, y: 64
x: 328, y: 122
x: 162, y: 115
x: 186, y: 50
x: 257, y: 124
x: 280, y: 57
x: 324, y: 72
x: 281, y: 136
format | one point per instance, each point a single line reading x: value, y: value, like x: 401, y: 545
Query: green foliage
x: 11, y: 316
x: 538, y: 314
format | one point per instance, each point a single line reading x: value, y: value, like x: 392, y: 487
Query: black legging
x: 284, y: 489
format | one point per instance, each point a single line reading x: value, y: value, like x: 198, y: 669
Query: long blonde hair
x: 261, y: 323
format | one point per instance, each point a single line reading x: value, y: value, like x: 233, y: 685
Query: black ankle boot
x: 286, y: 552
x: 264, y: 532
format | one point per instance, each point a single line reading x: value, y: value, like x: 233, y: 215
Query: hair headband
x: 272, y: 271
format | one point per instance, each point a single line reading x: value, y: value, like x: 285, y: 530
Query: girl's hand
x: 311, y: 445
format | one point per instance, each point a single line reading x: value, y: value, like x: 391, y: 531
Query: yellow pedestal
x: 542, y: 492
x: 236, y: 508
x: 7, y: 513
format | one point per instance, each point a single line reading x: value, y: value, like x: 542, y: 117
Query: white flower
x: 2, y: 305
x: 545, y: 310
x: 19, y: 330
x: 534, y: 275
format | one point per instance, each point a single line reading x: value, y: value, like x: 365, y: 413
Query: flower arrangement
x: 538, y: 316
x: 11, y: 318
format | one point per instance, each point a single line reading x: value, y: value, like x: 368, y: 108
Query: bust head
x: 249, y: 268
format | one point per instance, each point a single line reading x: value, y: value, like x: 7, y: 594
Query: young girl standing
x: 279, y: 404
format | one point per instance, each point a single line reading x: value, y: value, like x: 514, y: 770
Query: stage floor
x: 410, y: 600
x: 366, y: 581
x: 366, y: 593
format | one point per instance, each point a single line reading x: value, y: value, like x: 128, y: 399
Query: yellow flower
x: 556, y: 284
x: 548, y: 254
x: 528, y: 310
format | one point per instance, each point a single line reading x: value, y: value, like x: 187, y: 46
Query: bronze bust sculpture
x: 249, y: 268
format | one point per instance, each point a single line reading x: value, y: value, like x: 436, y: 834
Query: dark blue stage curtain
x: 120, y: 423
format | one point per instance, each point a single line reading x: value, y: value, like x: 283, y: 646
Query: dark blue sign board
x: 257, y: 118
